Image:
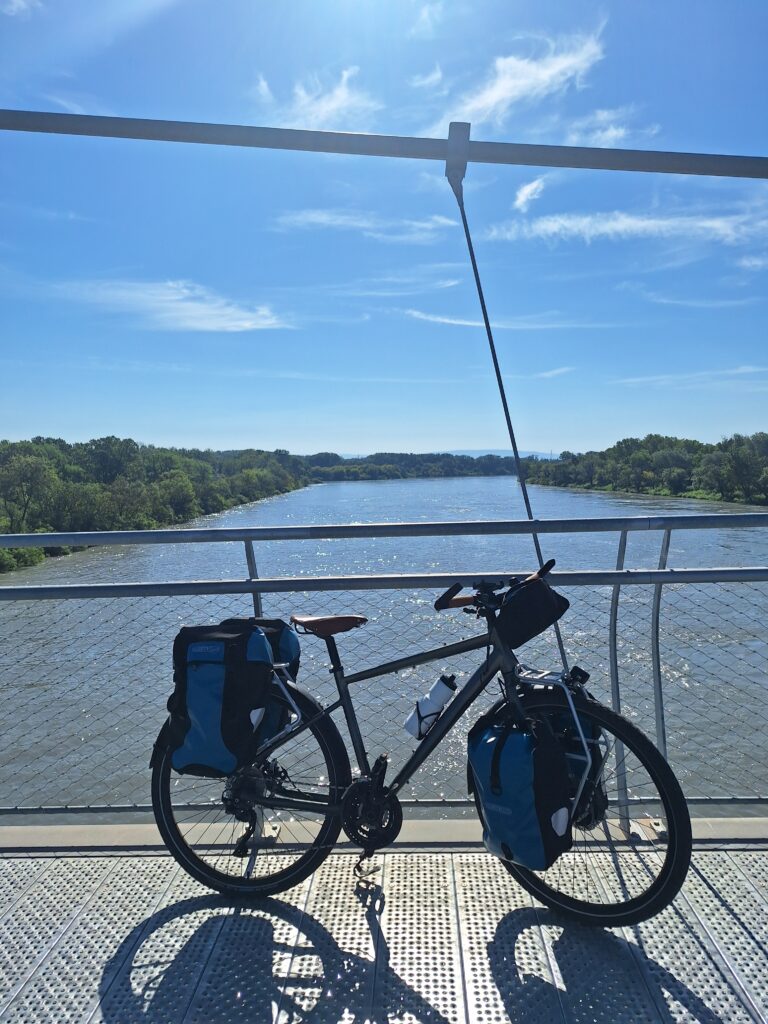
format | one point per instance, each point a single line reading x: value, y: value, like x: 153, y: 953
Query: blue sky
x: 227, y: 298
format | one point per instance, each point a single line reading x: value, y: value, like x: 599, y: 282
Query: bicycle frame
x: 500, y: 658
x: 497, y: 661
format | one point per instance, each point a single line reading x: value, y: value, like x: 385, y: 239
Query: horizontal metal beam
x: 608, y: 524
x: 421, y: 581
x: 349, y: 143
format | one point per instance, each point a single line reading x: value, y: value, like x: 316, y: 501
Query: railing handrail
x: 607, y: 524
x: 401, y: 146
x: 412, y: 581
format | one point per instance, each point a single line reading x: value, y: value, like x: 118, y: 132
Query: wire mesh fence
x: 84, y: 682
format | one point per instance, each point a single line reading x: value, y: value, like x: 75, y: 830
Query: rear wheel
x: 631, y: 852
x: 224, y: 832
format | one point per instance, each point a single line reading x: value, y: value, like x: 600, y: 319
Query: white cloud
x: 514, y: 79
x: 739, y: 378
x: 261, y: 91
x: 415, y: 281
x: 607, y: 128
x: 44, y: 213
x: 557, y: 372
x: 548, y: 321
x: 426, y: 230
x: 341, y: 106
x: 753, y: 262
x: 428, y: 18
x: 526, y: 194
x: 428, y: 81
x: 172, y: 305
x: 22, y: 7
x: 156, y: 367
x: 691, y: 303
x: 616, y: 225
x: 71, y: 106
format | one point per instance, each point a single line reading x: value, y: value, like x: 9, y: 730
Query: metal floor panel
x: 437, y: 938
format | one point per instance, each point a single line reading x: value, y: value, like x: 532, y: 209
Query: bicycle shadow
x: 212, y: 959
x: 602, y: 977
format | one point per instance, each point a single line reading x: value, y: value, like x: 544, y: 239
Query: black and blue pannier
x: 220, y: 710
x: 521, y: 784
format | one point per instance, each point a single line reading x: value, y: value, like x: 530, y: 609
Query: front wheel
x: 230, y: 835
x: 632, y: 831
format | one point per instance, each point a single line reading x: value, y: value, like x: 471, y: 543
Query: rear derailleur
x: 242, y: 797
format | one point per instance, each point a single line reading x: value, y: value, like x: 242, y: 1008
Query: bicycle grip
x: 443, y: 601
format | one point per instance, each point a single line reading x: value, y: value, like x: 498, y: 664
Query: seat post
x: 337, y: 670
x: 333, y: 653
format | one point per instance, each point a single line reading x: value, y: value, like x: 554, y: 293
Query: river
x: 85, y: 681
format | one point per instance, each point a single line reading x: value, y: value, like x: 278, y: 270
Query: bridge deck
x: 443, y: 936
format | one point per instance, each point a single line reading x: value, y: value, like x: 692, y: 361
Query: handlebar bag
x: 521, y: 786
x: 220, y: 703
x: 529, y: 607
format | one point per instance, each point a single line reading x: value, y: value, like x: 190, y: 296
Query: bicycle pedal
x: 363, y: 873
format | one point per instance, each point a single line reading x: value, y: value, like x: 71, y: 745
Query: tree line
x: 50, y: 486
x: 734, y: 469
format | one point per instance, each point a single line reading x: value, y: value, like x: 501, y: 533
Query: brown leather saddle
x: 327, y: 625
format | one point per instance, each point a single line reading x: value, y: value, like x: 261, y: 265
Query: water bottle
x: 428, y: 708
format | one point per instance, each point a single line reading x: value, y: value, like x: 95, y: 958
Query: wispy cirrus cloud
x: 318, y: 106
x: 161, y: 367
x: 548, y: 321
x: 429, y: 17
x: 19, y: 7
x: 71, y: 106
x: 738, y: 378
x: 43, y: 212
x: 691, y: 302
x: 414, y: 281
x: 428, y: 81
x: 171, y: 305
x: 753, y: 262
x: 616, y: 225
x: 261, y: 91
x: 527, y: 193
x: 561, y: 64
x: 607, y: 127
x: 411, y: 231
x: 559, y: 371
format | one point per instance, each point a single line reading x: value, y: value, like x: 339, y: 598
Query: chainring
x: 369, y: 818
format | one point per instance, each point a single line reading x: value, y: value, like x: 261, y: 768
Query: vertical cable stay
x: 455, y: 169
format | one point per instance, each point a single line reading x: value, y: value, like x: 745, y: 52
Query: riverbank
x: 658, y: 492
x: 50, y: 486
x: 735, y: 470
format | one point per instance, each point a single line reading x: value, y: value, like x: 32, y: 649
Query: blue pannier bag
x: 220, y: 710
x: 521, y: 785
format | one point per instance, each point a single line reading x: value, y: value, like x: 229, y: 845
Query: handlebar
x: 444, y: 600
x: 450, y: 600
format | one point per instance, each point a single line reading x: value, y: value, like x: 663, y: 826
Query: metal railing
x: 83, y: 663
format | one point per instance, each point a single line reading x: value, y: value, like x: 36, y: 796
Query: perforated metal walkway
x: 443, y: 937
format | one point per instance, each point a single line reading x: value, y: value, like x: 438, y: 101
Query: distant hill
x: 503, y: 452
x: 477, y: 453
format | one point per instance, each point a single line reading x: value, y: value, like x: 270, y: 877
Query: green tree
x: 27, y: 483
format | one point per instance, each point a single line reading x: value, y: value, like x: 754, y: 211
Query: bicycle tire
x: 201, y: 835
x: 579, y: 885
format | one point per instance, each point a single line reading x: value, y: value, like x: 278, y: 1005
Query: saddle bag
x: 521, y: 784
x: 220, y: 711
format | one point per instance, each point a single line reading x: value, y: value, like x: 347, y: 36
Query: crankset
x: 370, y: 815
x: 370, y: 819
